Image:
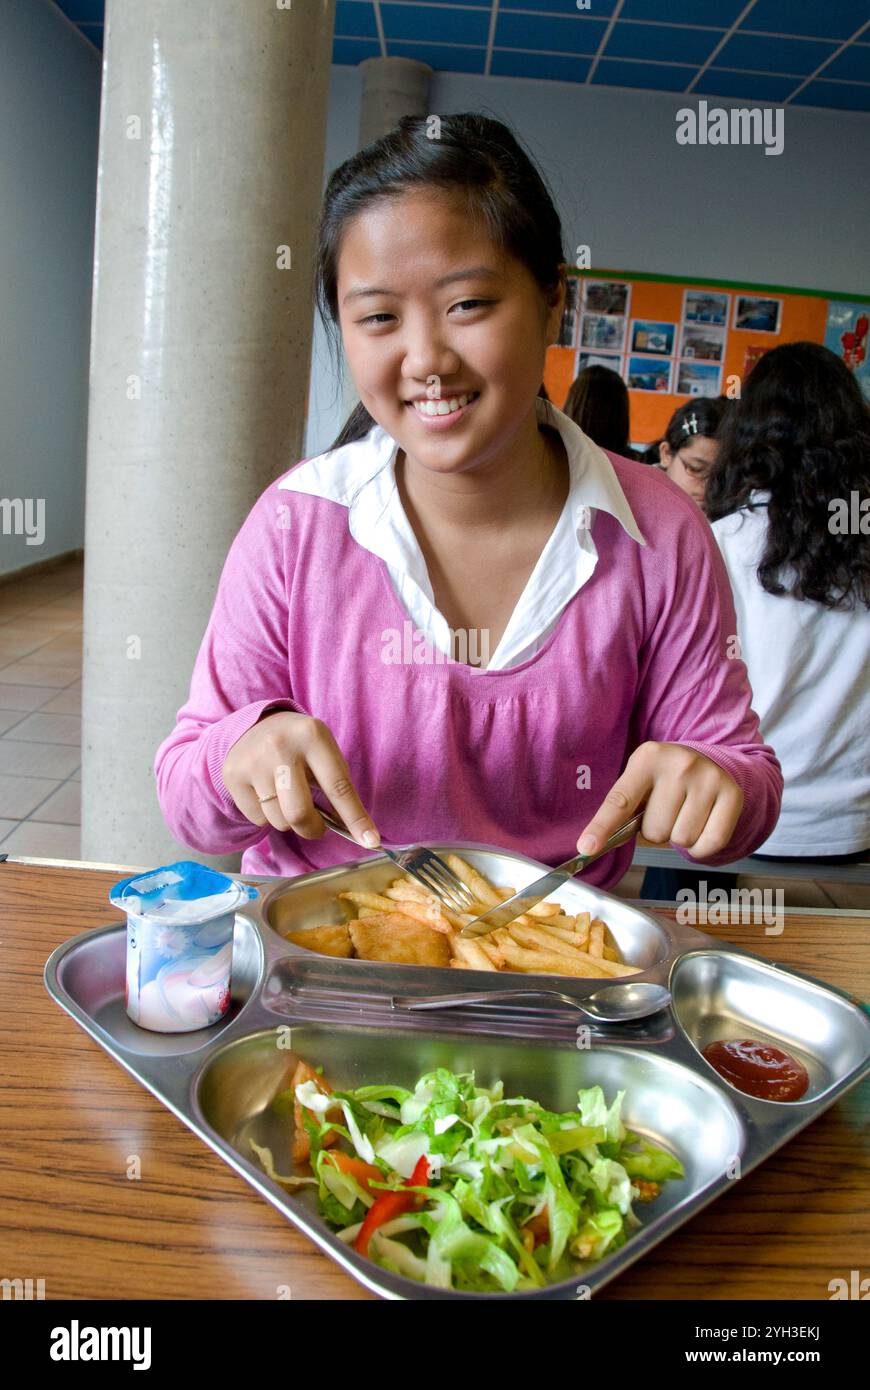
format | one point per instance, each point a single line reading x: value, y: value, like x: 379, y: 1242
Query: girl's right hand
x: 267, y: 774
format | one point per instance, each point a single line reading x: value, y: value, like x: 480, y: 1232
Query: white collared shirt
x: 361, y: 476
x: 809, y: 668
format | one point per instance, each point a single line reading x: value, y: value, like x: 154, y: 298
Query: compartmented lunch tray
x: 289, y: 1004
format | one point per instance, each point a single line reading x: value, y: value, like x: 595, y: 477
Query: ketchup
x: 758, y: 1069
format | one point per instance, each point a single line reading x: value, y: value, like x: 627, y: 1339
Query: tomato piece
x: 301, y: 1147
x: 363, y: 1172
x: 389, y: 1205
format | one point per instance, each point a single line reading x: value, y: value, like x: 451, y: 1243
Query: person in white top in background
x: 789, y: 503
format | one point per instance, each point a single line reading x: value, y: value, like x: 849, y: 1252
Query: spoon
x: 616, y: 1003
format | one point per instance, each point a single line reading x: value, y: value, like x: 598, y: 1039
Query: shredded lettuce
x: 516, y: 1195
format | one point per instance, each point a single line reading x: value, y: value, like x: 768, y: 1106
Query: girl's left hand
x: 690, y: 801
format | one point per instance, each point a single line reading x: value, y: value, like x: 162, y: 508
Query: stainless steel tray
x: 288, y: 1003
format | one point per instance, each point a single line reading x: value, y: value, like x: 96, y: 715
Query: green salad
x: 461, y: 1187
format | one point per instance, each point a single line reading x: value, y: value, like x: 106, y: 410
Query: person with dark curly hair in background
x: 788, y: 503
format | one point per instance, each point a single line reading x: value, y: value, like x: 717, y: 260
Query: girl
x: 464, y: 621
x: 598, y: 403
x: 795, y: 458
x: 691, y: 444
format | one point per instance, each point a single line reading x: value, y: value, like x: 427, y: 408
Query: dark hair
x: 598, y: 403
x: 801, y: 431
x: 472, y: 155
x: 708, y: 412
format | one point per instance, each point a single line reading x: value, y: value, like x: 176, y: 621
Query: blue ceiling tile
x: 745, y: 86
x: 658, y: 43
x: 720, y: 14
x: 86, y: 11
x: 843, y: 96
x: 853, y: 64
x: 547, y: 67
x: 440, y: 56
x: 435, y: 24
x: 832, y: 19
x: 353, y: 51
x: 355, y: 21
x: 553, y: 34
x: 759, y: 54
x: 613, y: 73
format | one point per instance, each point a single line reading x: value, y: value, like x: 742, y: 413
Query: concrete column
x: 391, y: 88
x: 212, y: 134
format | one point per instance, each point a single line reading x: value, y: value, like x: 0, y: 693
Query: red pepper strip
x: 391, y: 1204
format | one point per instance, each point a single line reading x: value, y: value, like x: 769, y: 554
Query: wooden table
x: 191, y: 1228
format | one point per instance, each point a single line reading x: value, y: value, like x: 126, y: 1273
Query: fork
x: 421, y: 864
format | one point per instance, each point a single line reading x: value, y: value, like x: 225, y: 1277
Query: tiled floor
x: 40, y: 733
x: 40, y: 713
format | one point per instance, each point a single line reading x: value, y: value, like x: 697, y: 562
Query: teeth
x: 443, y: 407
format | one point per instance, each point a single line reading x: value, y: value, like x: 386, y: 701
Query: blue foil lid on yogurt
x: 181, y: 893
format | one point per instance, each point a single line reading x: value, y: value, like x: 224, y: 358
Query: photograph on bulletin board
x: 703, y: 306
x: 698, y: 379
x: 703, y: 343
x: 757, y: 315
x: 599, y: 359
x: 603, y: 331
x: 648, y: 374
x: 658, y: 338
x: 607, y: 297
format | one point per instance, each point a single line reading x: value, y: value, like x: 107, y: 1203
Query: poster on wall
x: 653, y: 337
x: 606, y: 296
x: 602, y: 331
x: 757, y: 315
x: 703, y: 343
x: 648, y: 374
x: 705, y: 306
x: 846, y: 334
x: 599, y: 359
x: 752, y: 355
x: 698, y: 379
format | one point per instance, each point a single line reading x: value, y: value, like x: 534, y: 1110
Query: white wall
x: 49, y: 118
x: 642, y: 202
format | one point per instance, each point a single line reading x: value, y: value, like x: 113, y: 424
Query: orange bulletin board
x: 803, y: 315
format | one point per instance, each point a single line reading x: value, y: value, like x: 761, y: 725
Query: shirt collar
x: 361, y: 476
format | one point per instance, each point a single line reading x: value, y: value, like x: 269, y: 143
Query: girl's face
x: 431, y: 313
x: 689, y: 467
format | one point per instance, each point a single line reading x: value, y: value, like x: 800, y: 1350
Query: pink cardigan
x: 307, y: 619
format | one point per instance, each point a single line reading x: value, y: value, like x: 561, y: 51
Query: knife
x: 521, y: 902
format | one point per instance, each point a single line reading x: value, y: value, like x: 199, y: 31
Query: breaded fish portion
x: 328, y: 940
x: 390, y: 936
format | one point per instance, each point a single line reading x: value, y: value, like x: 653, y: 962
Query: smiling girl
x: 460, y: 513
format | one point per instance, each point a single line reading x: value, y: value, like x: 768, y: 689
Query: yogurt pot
x: 180, y: 921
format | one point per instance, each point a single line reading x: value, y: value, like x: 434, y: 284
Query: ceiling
x: 788, y: 52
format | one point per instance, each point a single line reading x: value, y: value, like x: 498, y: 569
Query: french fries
x: 544, y: 940
x: 429, y: 913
